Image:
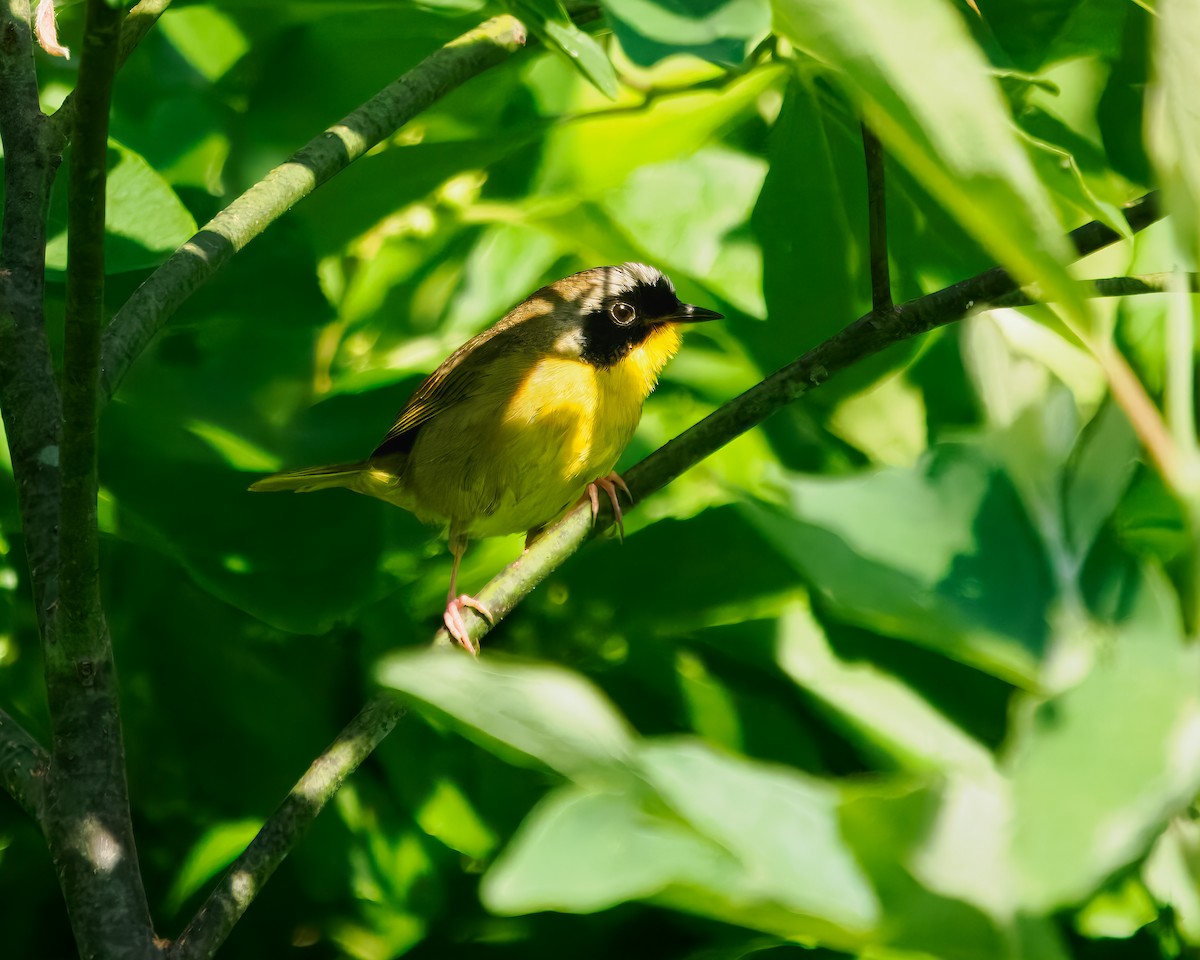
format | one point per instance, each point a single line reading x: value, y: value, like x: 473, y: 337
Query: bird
x: 526, y: 419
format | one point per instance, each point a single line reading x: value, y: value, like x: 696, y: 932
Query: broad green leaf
x: 941, y: 554
x: 802, y: 182
x: 144, y: 219
x: 1099, y: 770
x: 582, y: 851
x: 781, y: 827
x: 759, y: 847
x: 946, y: 122
x: 530, y: 711
x: 723, y: 31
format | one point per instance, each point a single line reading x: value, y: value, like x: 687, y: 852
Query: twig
x: 144, y: 314
x: 881, y: 283
x: 23, y: 766
x: 242, y: 882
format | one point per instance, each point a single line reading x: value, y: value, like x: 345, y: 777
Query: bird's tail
x: 312, y: 478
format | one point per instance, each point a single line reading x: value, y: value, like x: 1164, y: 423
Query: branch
x: 23, y: 766
x: 145, y: 313
x: 862, y: 338
x: 242, y: 882
x: 87, y: 820
x: 28, y: 394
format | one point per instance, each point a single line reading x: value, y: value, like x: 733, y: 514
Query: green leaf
x: 1099, y: 770
x: 519, y: 710
x: 549, y: 20
x: 801, y: 183
x: 144, y: 219
x: 782, y: 827
x: 946, y: 122
x: 583, y: 851
x: 941, y: 554
x: 723, y: 31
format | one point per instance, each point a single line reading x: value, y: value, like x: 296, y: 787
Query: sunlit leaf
x: 1099, y: 770
x: 540, y: 713
x: 144, y: 219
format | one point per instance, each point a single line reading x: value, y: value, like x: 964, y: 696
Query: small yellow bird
x: 526, y: 419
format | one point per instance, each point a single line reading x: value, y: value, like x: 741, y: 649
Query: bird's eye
x: 622, y: 313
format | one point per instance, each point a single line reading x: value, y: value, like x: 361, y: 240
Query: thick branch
x: 242, y: 882
x: 87, y: 820
x: 28, y: 394
x: 321, y: 158
x: 23, y: 766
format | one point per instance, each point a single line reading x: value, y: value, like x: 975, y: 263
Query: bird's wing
x: 450, y: 384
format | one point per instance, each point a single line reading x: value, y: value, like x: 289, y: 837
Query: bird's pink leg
x: 609, y: 485
x: 453, y: 618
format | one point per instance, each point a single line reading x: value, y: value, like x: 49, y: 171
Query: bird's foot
x: 609, y: 485
x: 457, y: 627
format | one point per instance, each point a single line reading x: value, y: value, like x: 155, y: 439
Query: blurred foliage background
x: 903, y: 673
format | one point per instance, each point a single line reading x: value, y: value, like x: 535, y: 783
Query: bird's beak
x: 686, y: 313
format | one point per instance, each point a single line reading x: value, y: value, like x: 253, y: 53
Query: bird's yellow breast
x: 516, y: 458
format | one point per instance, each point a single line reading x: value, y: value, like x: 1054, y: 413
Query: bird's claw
x: 609, y: 485
x: 457, y: 627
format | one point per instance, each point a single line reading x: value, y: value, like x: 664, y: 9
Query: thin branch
x: 862, y: 338
x: 144, y: 314
x: 1108, y: 287
x: 23, y: 766
x: 141, y: 17
x: 242, y: 882
x: 881, y: 283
